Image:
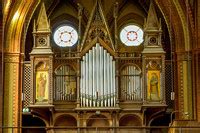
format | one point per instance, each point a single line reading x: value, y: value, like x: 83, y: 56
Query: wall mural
x: 42, y: 82
x: 153, y: 83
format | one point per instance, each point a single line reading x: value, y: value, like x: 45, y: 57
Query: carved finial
x: 115, y: 13
x: 152, y: 22
x: 34, y: 27
x: 145, y: 23
x: 80, y: 9
x: 49, y: 23
x: 42, y: 21
x: 160, y: 24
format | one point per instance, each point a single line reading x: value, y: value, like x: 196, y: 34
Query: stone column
x: 1, y: 90
x: 197, y: 57
x: 184, y: 89
x: 196, y: 81
x: 12, y: 92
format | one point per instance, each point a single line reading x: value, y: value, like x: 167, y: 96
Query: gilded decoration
x: 154, y: 64
x: 12, y: 58
x: 42, y: 82
x: 42, y: 74
x: 154, y: 80
x: 153, y: 83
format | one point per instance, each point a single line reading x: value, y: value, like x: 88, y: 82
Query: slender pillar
x: 196, y: 83
x: 80, y: 9
x: 12, y: 91
x: 115, y: 14
x: 197, y: 60
x: 184, y: 87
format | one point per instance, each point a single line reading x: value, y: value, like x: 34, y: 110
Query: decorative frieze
x: 11, y: 58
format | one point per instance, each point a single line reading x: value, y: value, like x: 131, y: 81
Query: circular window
x: 65, y: 36
x: 131, y: 35
x: 42, y: 41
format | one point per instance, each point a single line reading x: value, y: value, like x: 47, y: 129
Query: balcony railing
x: 120, y: 129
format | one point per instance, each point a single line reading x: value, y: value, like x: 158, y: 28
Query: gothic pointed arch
x: 97, y: 27
x: 18, y: 16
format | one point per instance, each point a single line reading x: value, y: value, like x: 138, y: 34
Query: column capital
x: 12, y: 57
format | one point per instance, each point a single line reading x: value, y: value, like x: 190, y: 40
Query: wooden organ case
x: 94, y: 80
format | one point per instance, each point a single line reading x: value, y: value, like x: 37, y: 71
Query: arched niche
x: 30, y: 121
x: 65, y: 120
x: 65, y: 83
x: 98, y: 121
x: 160, y: 120
x: 131, y: 83
x: 132, y: 121
x: 41, y: 81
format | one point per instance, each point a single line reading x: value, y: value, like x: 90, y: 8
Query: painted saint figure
x: 154, y: 87
x: 41, y: 86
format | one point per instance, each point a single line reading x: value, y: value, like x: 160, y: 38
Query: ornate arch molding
x: 20, y: 13
x: 188, y: 11
x: 155, y: 116
x: 180, y: 24
x: 42, y: 119
x: 177, y: 23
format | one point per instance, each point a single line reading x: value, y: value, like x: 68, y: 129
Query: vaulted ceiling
x: 57, y: 8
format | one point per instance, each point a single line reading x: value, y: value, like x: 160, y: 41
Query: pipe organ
x: 64, y: 83
x: 97, y: 87
x: 99, y: 74
x: 95, y: 76
x: 131, y: 87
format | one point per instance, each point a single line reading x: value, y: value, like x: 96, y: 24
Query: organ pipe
x: 114, y: 87
x: 97, y: 78
x: 104, y: 78
x: 64, y: 83
x: 131, y: 83
x: 101, y: 87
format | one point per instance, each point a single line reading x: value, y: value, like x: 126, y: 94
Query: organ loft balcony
x: 69, y: 71
x: 96, y: 81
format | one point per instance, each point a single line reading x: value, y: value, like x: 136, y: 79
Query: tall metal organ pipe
x: 97, y: 79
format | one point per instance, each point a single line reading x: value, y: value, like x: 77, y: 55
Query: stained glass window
x: 131, y: 35
x: 65, y: 36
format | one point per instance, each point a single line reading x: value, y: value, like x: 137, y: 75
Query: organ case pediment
x: 97, y: 27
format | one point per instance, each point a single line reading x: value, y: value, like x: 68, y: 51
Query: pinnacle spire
x: 152, y: 22
x: 98, y: 26
x: 42, y: 21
